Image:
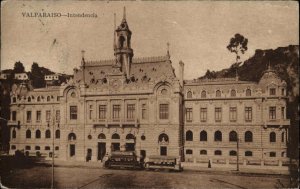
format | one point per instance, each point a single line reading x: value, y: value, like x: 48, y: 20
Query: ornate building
x: 138, y: 104
x: 227, y: 117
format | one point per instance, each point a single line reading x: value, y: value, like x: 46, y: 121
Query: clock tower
x: 122, y: 47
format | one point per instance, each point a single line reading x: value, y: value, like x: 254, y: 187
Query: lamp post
x: 52, y: 180
x: 237, y: 153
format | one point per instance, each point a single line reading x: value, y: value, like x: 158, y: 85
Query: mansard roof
x: 142, y: 71
x: 217, y: 81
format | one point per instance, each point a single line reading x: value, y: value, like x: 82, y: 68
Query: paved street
x: 93, y: 177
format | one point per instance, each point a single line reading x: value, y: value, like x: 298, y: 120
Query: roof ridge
x: 150, y: 59
x: 134, y: 60
x: 99, y: 62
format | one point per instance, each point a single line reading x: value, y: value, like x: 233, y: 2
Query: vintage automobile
x: 119, y: 159
x: 163, y: 162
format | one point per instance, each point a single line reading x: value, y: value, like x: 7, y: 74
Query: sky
x: 198, y: 31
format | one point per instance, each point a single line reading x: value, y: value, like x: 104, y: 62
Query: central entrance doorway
x: 130, y: 142
x: 115, y: 146
x: 101, y: 150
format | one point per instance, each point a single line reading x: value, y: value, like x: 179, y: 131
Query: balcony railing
x: 114, y: 121
x: 274, y: 122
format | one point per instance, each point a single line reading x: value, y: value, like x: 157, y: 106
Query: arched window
x: 48, y: 134
x: 72, y: 136
x: 14, y: 99
x: 29, y: 99
x: 203, y: 136
x: 218, y: 93
x: 218, y: 152
x: 121, y: 41
x: 189, y: 136
x: 48, y: 98
x: 101, y: 136
x: 189, y: 151
x: 189, y: 94
x: 232, y: 153
x: 14, y: 134
x: 233, y: 93
x: 38, y: 99
x: 248, y: 136
x: 203, y: 94
x: 57, y: 134
x: 28, y: 134
x: 218, y: 136
x: 130, y: 136
x: 248, y: 153
x: 47, y: 147
x: 115, y: 136
x: 203, y: 152
x: 272, y: 137
x: 37, y: 134
x: 163, y: 138
x: 282, y: 154
x: 232, y: 136
x: 248, y: 92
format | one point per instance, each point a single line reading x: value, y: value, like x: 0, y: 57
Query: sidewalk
x: 270, y: 170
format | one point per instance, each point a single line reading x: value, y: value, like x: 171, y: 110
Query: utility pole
x: 237, y: 153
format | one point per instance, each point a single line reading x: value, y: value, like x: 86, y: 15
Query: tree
x: 19, y: 68
x: 37, y: 76
x: 238, y: 45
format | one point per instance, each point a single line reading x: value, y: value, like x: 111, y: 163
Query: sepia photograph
x: 149, y: 94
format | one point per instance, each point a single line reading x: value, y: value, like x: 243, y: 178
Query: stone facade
x: 139, y: 104
x: 226, y: 117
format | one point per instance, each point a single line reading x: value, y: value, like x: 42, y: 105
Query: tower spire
x: 124, y: 13
x: 83, y: 66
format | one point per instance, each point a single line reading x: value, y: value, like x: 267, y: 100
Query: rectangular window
x: 130, y: 111
x: 218, y: 114
x: 283, y: 112
x: 203, y: 114
x: 272, y: 112
x: 57, y: 115
x: 73, y: 112
x: 248, y: 113
x: 189, y: 114
x: 164, y: 111
x: 144, y: 111
x: 116, y: 111
x: 232, y: 114
x: 48, y: 115
x: 91, y: 112
x: 272, y: 91
x: 102, y: 112
x: 38, y: 116
x: 28, y: 117
x: 14, y: 115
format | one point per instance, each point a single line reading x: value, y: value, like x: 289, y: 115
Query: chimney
x: 181, y: 72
